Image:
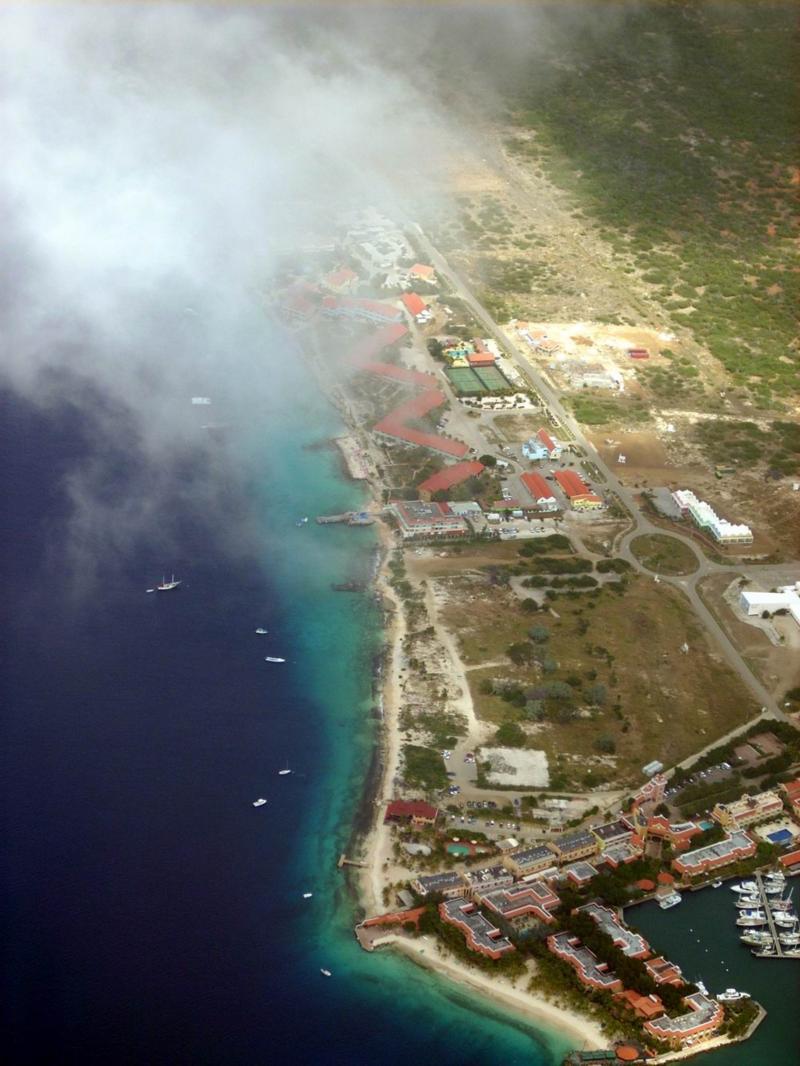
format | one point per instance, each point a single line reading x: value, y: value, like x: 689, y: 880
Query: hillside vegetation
x: 678, y: 133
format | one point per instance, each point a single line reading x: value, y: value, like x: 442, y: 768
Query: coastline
x: 372, y: 839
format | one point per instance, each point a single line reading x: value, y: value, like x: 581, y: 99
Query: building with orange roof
x: 643, y: 1006
x: 663, y: 972
x: 791, y: 792
x: 341, y: 281
x: 414, y: 304
x: 540, y: 491
x: 704, y: 860
x: 790, y: 861
x: 552, y: 446
x: 422, y: 272
x: 704, y: 1015
x: 678, y: 834
x: 448, y: 477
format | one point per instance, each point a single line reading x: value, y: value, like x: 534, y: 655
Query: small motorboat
x: 302, y: 521
x: 325, y: 973
x: 262, y: 632
x: 259, y: 802
x: 748, y: 887
x: 273, y: 659
x: 717, y: 883
x: 307, y: 895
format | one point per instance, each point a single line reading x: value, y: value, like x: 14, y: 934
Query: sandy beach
x: 377, y: 852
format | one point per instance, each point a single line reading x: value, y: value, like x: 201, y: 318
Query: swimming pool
x: 458, y: 849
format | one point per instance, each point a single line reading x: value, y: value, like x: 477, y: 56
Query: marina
x: 764, y: 895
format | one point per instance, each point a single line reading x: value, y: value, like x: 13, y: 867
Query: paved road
x: 641, y: 524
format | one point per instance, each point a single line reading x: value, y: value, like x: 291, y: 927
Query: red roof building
x: 790, y: 860
x: 422, y: 271
x: 638, y: 353
x: 369, y: 347
x: 394, y: 424
x: 538, y: 488
x: 414, y: 304
x: 553, y: 449
x: 570, y: 482
x: 341, y: 281
x: 663, y: 972
x: 448, y: 477
x: 414, y: 811
x: 481, y: 359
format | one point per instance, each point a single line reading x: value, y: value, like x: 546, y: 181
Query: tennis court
x: 465, y: 381
x: 491, y: 378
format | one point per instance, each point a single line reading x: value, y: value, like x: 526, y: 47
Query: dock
x: 344, y: 861
x: 350, y: 518
x: 764, y: 900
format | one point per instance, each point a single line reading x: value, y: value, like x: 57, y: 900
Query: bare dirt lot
x: 609, y: 683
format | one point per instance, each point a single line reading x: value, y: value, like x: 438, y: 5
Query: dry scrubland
x: 609, y: 688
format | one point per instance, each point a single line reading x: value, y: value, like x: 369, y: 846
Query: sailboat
x: 273, y: 659
x: 283, y: 773
x: 167, y: 586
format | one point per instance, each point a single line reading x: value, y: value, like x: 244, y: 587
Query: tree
x: 520, y: 654
x: 529, y: 605
x: 487, y: 460
x: 597, y: 695
x: 539, y: 634
x: 605, y: 744
x: 510, y: 735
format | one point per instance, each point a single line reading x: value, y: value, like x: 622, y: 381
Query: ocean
x: 149, y: 912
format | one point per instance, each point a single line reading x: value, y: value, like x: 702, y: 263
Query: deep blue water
x: 149, y: 912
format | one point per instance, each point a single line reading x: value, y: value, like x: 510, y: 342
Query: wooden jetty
x: 344, y: 861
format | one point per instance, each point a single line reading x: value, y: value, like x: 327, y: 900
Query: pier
x: 351, y: 518
x: 764, y: 901
x: 344, y: 861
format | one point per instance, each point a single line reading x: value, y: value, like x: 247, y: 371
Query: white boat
x: 763, y: 952
x: 325, y: 973
x: 167, y: 586
x: 149, y: 590
x: 259, y: 802
x: 791, y: 953
x: 773, y: 888
x: 785, y: 921
x: 717, y: 883
x: 732, y: 995
x: 756, y: 936
x: 748, y: 887
x: 303, y: 521
x: 285, y: 771
x: 307, y: 895
x: 672, y: 900
x: 789, y: 939
x: 273, y: 659
x: 744, y: 902
x: 262, y: 632
x: 755, y: 918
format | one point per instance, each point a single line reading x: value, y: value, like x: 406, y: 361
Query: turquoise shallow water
x: 336, y: 637
x: 701, y: 936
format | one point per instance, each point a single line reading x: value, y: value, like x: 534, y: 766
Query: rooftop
x: 451, y: 475
x: 480, y: 933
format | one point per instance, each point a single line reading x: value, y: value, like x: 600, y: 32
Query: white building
x: 704, y: 516
x: 786, y: 598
